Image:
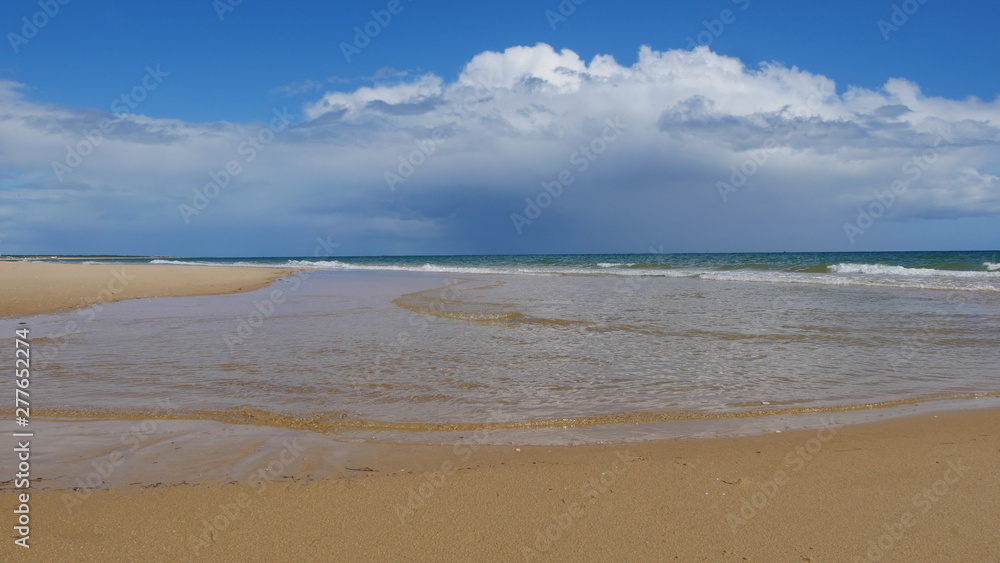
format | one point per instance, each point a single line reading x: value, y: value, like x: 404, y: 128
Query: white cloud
x: 357, y: 102
x: 513, y: 119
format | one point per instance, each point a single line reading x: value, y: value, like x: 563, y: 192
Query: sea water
x: 384, y: 345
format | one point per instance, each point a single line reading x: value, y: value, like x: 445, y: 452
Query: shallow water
x: 383, y: 352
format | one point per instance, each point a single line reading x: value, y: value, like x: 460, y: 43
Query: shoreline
x: 334, y: 423
x: 913, y: 488
x: 900, y: 489
x: 43, y: 286
x: 176, y: 451
x: 36, y: 288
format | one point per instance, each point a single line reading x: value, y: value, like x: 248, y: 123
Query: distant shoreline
x: 33, y: 288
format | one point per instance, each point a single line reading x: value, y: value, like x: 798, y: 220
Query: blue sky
x: 828, y: 111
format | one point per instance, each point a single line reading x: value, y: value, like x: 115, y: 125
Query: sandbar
x: 32, y: 288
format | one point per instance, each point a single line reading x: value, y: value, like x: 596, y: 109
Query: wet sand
x: 912, y: 489
x: 30, y: 288
x: 924, y: 488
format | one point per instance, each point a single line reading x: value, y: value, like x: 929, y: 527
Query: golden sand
x: 915, y: 489
x: 31, y: 288
x: 923, y: 488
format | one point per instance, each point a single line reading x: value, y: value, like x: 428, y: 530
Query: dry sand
x: 923, y: 488
x: 30, y: 288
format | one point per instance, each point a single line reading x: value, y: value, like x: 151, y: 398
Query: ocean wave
x: 954, y: 283
x: 617, y: 270
x: 882, y: 269
x: 875, y: 275
x: 181, y: 263
x: 843, y: 274
x: 338, y: 265
x: 234, y: 264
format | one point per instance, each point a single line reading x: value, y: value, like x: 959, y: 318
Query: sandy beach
x: 34, y: 288
x: 921, y: 488
x: 911, y: 489
x: 580, y: 281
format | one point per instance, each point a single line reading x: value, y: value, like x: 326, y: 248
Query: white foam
x: 237, y: 264
x: 882, y: 269
x: 338, y: 265
x: 526, y: 270
x: 876, y: 275
x: 180, y: 263
x: 959, y: 283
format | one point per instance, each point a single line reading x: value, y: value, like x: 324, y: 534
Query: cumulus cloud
x: 415, y: 163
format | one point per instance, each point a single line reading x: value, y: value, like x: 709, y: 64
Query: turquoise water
x: 968, y: 270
